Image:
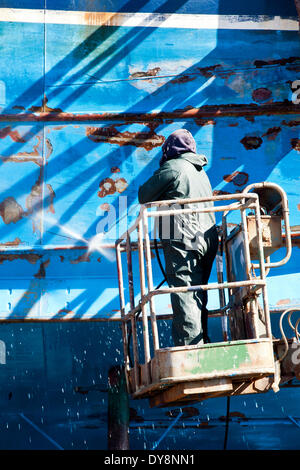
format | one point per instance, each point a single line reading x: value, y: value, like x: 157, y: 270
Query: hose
x: 290, y: 311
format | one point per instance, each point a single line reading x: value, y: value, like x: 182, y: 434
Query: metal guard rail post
x: 246, y: 200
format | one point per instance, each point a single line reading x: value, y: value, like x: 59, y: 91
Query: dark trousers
x: 186, y: 267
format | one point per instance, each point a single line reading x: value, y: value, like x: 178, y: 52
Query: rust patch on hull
x: 147, y: 140
x: 272, y: 133
x: 283, y: 61
x: 238, y: 178
x: 44, y: 108
x: 34, y: 201
x: 11, y: 211
x: 292, y: 123
x: 105, y: 207
x: 108, y: 186
x: 14, y: 135
x: 30, y: 257
x: 209, y: 71
x: 35, y: 156
x: 251, y: 142
x: 81, y: 259
x: 49, y: 198
x: 296, y: 144
x: 205, y: 122
x: 64, y: 311
x: 15, y: 242
x: 283, y: 302
x: 148, y: 73
x: 42, y: 271
x: 183, y: 79
x: 262, y: 95
x: 222, y: 110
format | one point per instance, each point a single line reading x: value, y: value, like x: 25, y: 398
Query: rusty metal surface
x: 239, y: 358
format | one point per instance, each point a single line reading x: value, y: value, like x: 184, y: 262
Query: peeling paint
x: 32, y: 258
x: 35, y: 156
x: 42, y: 271
x: 183, y: 79
x: 283, y: 302
x: 262, y: 95
x: 14, y: 135
x: 272, y: 133
x: 246, y: 110
x: 238, y: 178
x: 49, y: 148
x: 251, y: 142
x: 44, y: 108
x: 15, y: 242
x: 292, y: 123
x: 81, y: 259
x: 283, y: 61
x: 205, y: 122
x: 147, y: 140
x: 105, y: 207
x: 49, y: 198
x: 22, y: 108
x: 34, y: 202
x: 209, y: 71
x: 296, y: 144
x: 64, y: 311
x: 109, y: 186
x: 10, y: 210
x: 121, y: 184
x: 150, y: 73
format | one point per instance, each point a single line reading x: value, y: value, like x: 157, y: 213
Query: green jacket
x: 180, y: 178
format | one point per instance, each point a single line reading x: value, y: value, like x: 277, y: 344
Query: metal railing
x: 245, y: 201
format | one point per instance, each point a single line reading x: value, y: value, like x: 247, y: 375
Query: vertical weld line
x: 44, y: 134
x: 42, y: 170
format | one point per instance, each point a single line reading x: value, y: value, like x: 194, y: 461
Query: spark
x: 94, y: 244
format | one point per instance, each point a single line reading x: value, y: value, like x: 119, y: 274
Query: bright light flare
x: 94, y: 244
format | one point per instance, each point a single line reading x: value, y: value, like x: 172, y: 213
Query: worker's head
x: 180, y: 141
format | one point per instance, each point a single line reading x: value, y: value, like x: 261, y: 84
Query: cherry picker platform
x: 249, y: 359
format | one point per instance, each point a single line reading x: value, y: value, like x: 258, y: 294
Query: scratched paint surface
x: 86, y: 181
x: 63, y: 182
x: 101, y: 63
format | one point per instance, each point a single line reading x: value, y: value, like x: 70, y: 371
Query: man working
x: 190, y: 242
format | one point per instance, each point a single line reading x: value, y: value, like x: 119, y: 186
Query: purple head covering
x: 180, y: 141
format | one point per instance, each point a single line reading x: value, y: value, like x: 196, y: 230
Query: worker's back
x: 182, y: 178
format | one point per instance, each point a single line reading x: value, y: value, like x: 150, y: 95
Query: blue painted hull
x: 74, y: 148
